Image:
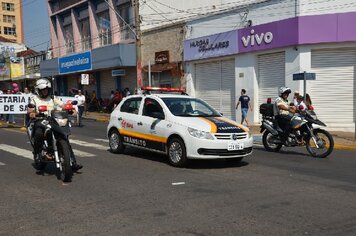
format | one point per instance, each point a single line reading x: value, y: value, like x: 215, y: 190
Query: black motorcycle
x: 56, y: 147
x: 319, y: 142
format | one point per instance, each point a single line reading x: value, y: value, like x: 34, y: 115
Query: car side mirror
x: 158, y: 115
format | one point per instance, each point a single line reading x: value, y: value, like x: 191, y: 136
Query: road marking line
x: 2, y: 164
x: 178, y: 183
x: 17, y: 151
x: 82, y: 154
x: 86, y: 144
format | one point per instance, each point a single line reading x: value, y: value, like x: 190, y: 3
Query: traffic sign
x: 306, y: 76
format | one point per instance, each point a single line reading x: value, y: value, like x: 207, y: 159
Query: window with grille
x: 84, y: 27
x: 9, y: 19
x: 9, y: 31
x: 104, y: 28
x: 8, y: 6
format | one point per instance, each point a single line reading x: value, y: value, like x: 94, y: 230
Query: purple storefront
x: 266, y: 56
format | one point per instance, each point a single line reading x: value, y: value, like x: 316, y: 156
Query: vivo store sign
x: 75, y: 63
x: 257, y: 39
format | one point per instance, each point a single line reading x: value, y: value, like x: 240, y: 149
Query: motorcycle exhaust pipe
x: 269, y: 128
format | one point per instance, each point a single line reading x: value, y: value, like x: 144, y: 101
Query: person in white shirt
x: 81, y: 105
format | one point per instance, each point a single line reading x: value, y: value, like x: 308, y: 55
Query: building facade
x: 89, y: 39
x: 162, y: 56
x: 11, y: 21
x: 267, y: 44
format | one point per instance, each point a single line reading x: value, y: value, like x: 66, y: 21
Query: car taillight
x: 269, y: 100
x: 42, y: 108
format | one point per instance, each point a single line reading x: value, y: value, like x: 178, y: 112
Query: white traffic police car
x: 178, y: 125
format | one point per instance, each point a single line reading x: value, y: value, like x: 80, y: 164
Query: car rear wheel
x: 177, y: 154
x: 115, y: 142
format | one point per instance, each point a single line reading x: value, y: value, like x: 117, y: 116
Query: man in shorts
x: 245, y: 105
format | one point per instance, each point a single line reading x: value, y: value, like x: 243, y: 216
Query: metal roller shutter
x: 228, y: 94
x: 333, y: 91
x: 271, y: 75
x: 215, y: 83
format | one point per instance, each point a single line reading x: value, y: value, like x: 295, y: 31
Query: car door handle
x: 139, y: 123
x: 120, y: 118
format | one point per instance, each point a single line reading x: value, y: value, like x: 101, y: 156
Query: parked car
x: 178, y: 125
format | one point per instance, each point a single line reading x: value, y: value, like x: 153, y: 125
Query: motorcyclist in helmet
x: 43, y: 98
x: 285, y: 112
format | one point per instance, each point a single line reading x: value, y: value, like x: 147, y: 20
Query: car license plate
x: 232, y: 146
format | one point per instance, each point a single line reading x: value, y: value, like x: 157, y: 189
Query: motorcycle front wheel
x: 64, y: 157
x: 268, y: 144
x: 323, y: 144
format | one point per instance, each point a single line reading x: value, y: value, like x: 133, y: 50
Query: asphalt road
x: 138, y: 193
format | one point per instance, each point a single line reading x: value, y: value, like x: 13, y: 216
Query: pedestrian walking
x: 81, y: 106
x: 245, y: 105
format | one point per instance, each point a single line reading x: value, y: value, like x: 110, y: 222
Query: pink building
x: 91, y: 37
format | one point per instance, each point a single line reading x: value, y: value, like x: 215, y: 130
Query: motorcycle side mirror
x: 74, y: 102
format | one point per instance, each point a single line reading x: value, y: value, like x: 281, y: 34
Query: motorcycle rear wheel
x: 271, y: 147
x: 64, y: 156
x: 325, y: 142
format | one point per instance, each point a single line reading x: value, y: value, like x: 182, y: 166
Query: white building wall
x: 307, y: 7
x: 265, y: 12
x: 246, y: 77
x: 163, y: 12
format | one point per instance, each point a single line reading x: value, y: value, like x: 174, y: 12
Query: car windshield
x: 180, y: 106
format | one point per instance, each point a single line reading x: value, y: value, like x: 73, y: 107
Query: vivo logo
x: 253, y: 38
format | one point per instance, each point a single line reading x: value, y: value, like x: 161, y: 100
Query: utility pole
x: 138, y: 43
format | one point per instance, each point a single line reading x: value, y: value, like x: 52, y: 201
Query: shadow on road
x: 192, y: 164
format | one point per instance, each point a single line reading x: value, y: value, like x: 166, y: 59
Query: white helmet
x: 283, y: 90
x: 42, y: 84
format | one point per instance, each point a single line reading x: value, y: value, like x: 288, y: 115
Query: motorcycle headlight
x: 62, y: 122
x: 200, y: 134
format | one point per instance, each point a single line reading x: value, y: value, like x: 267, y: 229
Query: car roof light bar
x: 163, y: 90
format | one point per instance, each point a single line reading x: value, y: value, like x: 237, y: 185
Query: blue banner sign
x: 75, y: 63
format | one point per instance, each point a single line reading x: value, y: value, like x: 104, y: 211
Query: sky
x: 36, y: 26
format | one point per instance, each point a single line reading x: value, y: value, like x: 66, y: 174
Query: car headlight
x: 200, y: 134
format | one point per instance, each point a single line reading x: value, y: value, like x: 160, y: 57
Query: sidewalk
x: 343, y: 140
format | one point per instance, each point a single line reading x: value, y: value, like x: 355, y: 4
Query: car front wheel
x: 115, y: 142
x: 177, y: 154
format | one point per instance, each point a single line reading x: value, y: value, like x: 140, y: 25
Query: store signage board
x: 115, y: 73
x: 84, y: 79
x: 306, y: 76
x: 216, y: 45
x: 75, y: 63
